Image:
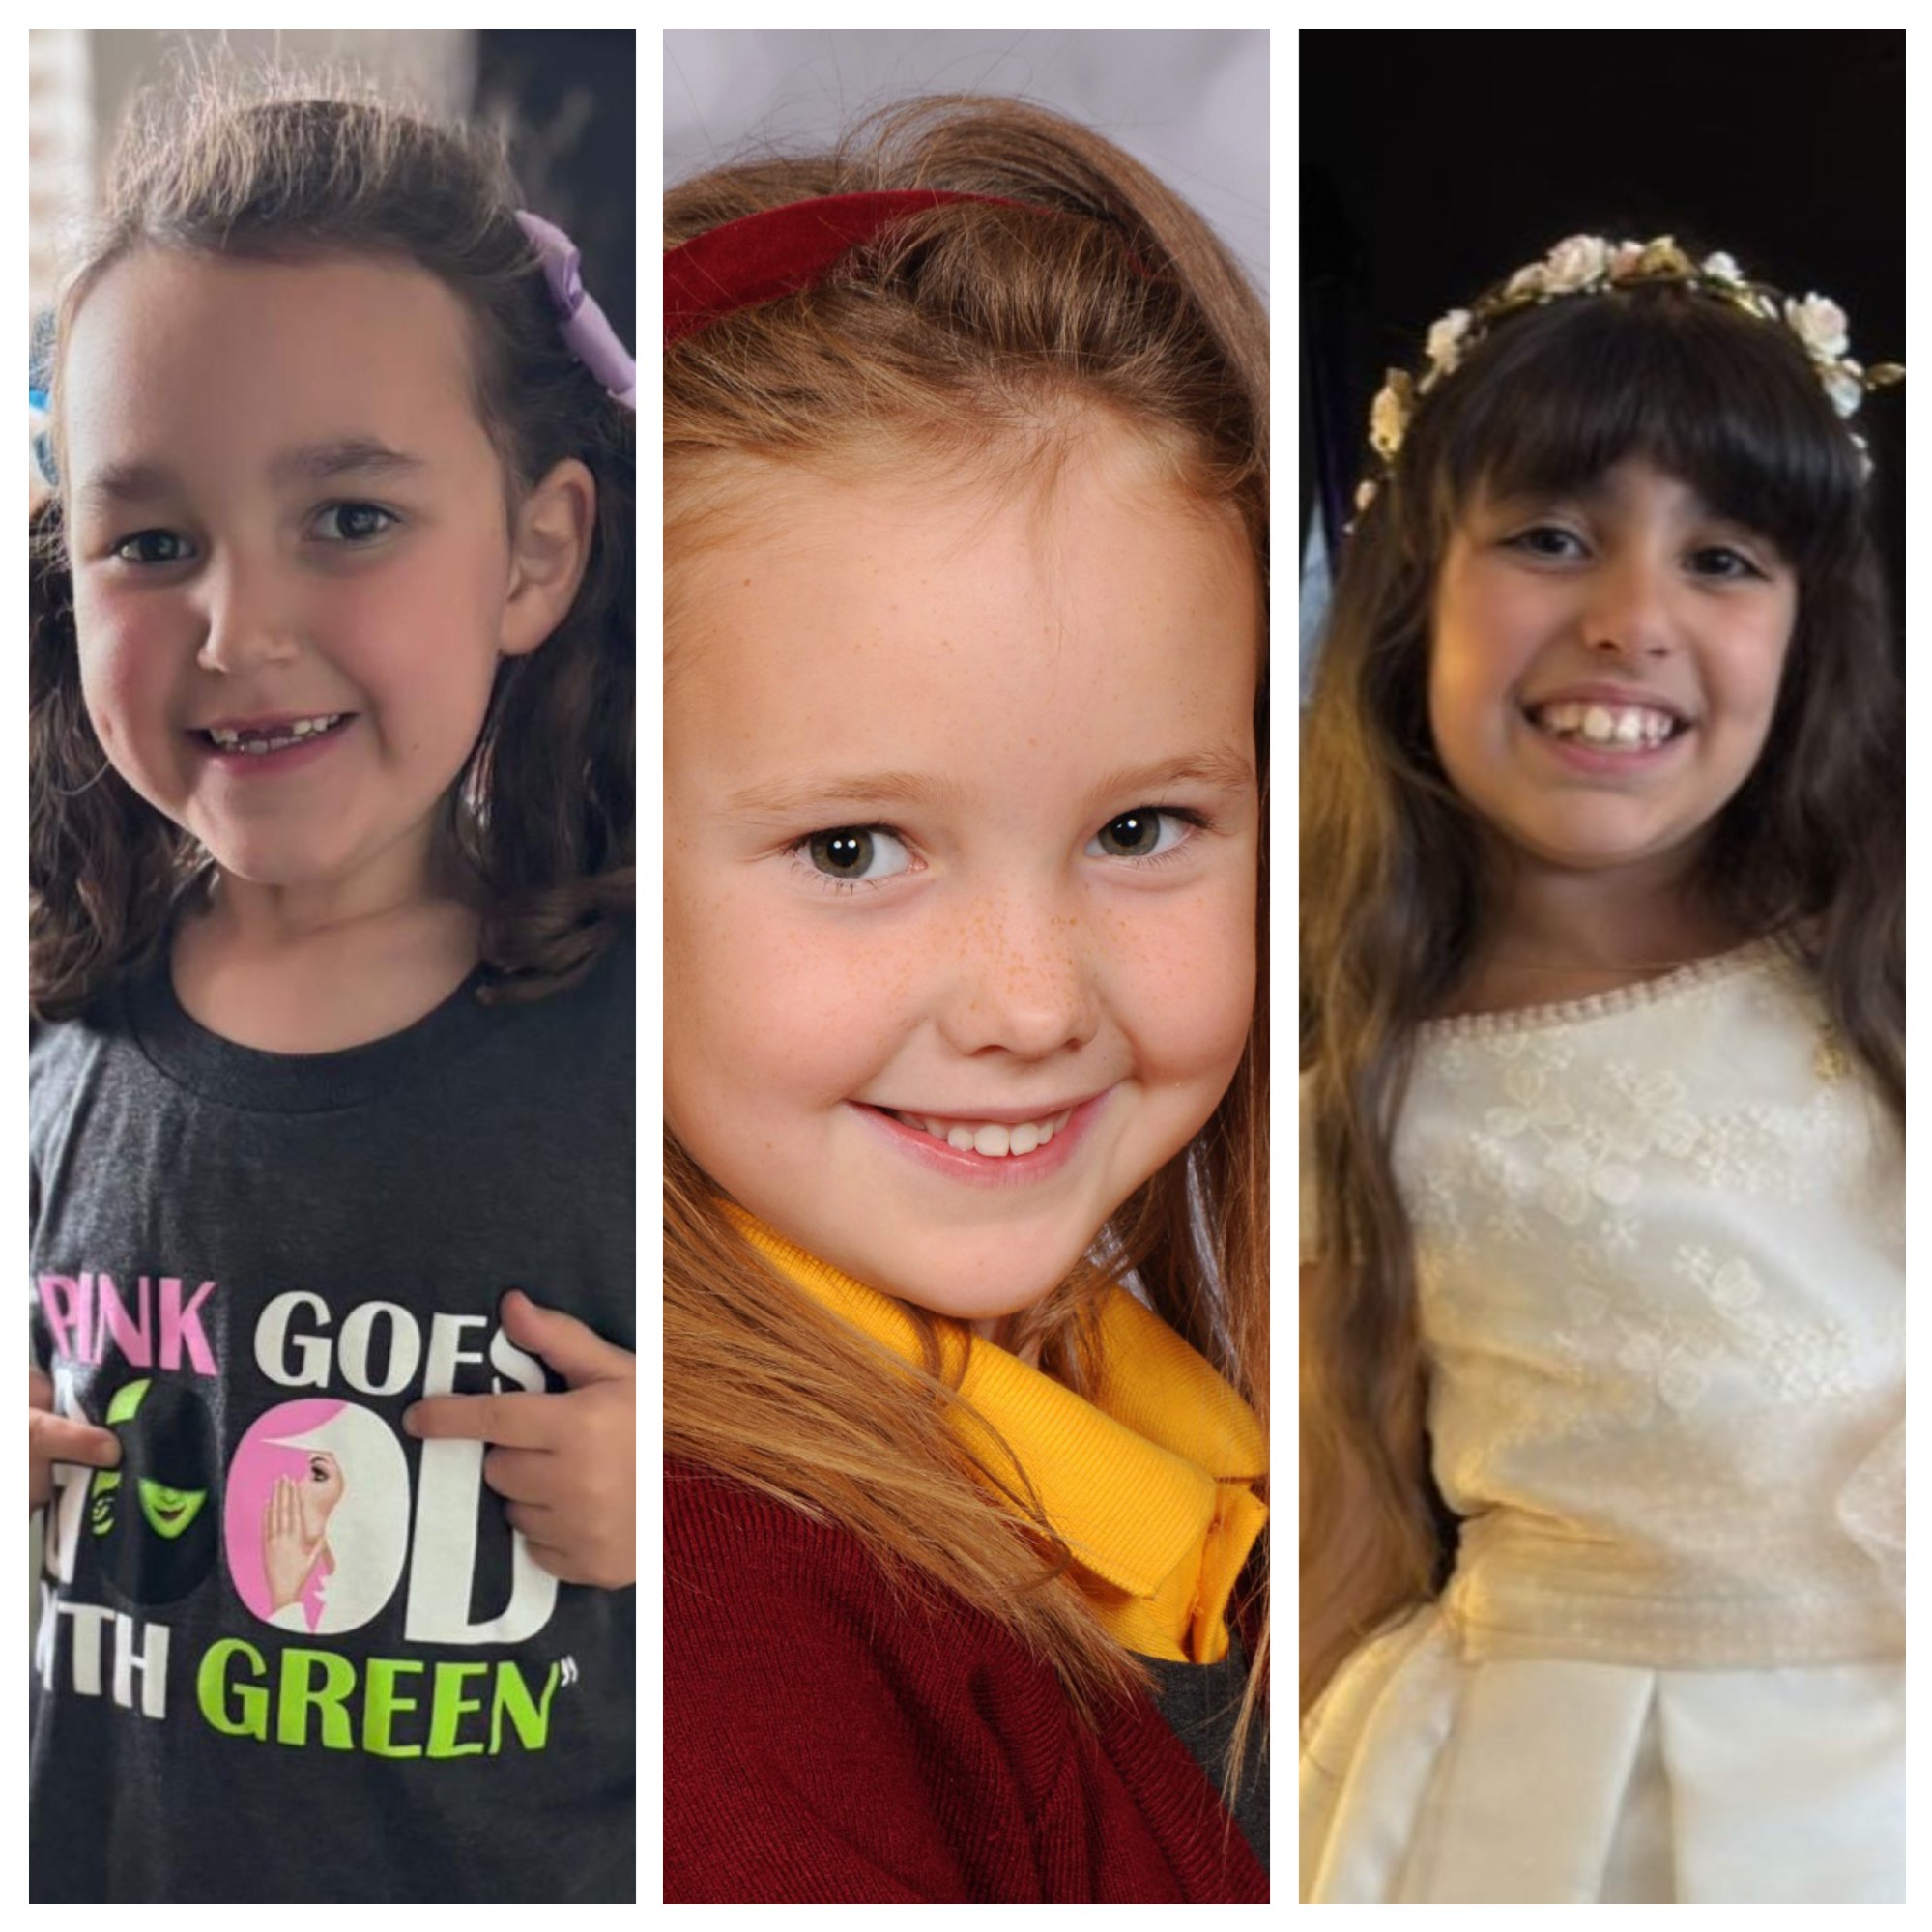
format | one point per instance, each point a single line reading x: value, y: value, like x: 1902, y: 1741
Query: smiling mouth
x: 1609, y: 727
x: 995, y: 1139
x: 255, y: 742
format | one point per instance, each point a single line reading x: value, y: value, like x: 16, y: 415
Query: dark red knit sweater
x: 827, y: 1741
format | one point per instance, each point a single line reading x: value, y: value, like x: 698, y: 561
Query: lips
x: 938, y: 1154
x: 272, y: 721
x: 990, y: 1136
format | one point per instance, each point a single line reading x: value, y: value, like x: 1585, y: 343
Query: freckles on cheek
x: 1186, y: 985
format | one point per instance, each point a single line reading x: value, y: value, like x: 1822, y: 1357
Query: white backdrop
x: 1192, y: 107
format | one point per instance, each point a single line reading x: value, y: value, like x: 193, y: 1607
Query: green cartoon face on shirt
x: 169, y: 1512
x: 150, y: 1520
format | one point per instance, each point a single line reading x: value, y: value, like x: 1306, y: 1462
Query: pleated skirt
x: 1426, y: 1777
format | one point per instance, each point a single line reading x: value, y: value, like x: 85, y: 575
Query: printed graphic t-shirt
x: 285, y: 1651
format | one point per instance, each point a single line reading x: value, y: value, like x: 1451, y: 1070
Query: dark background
x: 1435, y: 163
x: 574, y: 98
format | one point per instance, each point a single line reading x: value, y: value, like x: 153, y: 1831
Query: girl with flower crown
x: 333, y: 990
x: 1602, y: 1098
x: 965, y: 1287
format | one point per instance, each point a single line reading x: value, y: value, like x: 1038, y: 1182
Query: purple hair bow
x: 586, y: 326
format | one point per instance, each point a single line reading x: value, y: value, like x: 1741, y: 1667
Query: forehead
x: 925, y: 612
x: 180, y: 359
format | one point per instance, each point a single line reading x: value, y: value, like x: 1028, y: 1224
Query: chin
x: 970, y: 1286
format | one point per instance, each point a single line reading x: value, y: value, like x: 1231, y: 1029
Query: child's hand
x: 55, y: 1438
x: 566, y: 1466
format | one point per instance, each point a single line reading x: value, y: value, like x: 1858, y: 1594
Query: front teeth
x: 1626, y: 727
x: 993, y: 1140
x: 302, y: 728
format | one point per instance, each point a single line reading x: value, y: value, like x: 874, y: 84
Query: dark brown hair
x: 542, y: 816
x: 972, y: 335
x: 1809, y: 849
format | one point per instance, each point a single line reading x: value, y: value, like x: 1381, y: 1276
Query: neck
x: 1631, y: 919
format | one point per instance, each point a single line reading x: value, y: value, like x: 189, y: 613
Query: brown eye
x: 145, y: 539
x: 358, y: 523
x: 863, y: 854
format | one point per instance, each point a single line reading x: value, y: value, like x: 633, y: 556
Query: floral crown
x: 1589, y: 265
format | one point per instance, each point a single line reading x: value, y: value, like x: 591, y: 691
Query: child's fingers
x: 532, y: 1521
x: 557, y: 1561
x: 521, y: 1475
x: 518, y: 1422
x: 67, y: 1439
x: 574, y: 1349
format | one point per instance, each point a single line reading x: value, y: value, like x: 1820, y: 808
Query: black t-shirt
x: 285, y: 1651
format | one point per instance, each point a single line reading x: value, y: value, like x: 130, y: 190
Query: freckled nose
x: 1025, y: 979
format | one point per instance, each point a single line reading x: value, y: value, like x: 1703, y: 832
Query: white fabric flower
x: 1525, y: 281
x: 1389, y: 419
x: 1843, y: 387
x: 1721, y: 267
x: 1819, y: 323
x: 1575, y: 263
x: 1444, y: 339
x: 1625, y: 259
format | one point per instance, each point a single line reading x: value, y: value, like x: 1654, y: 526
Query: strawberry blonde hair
x: 978, y: 335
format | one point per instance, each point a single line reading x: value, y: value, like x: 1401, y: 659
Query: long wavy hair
x: 968, y: 335
x: 1810, y: 850
x: 541, y: 820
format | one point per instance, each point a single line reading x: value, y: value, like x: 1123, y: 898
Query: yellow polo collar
x: 1148, y: 1485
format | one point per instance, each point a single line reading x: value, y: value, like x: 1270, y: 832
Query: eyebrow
x: 1220, y: 767
x: 140, y: 482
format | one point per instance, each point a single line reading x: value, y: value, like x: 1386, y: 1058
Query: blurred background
x: 1192, y: 107
x: 569, y: 100
x: 1435, y: 163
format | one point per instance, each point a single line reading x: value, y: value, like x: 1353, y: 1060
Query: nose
x: 1025, y: 977
x: 250, y: 619
x: 1629, y: 613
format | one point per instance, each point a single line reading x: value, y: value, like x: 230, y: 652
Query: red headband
x: 780, y: 251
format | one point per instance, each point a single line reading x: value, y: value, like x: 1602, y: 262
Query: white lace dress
x: 1661, y: 1237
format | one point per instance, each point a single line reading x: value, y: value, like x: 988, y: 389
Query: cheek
x: 758, y: 999
x: 1184, y: 984
x: 124, y: 668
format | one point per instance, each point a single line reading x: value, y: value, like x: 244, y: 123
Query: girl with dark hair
x: 966, y: 1290
x: 332, y: 982
x: 1602, y: 1098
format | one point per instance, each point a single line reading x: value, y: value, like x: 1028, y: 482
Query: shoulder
x: 831, y: 1730
x: 751, y: 1565
x: 62, y: 1053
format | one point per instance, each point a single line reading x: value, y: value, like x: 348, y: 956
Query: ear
x: 550, y: 547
